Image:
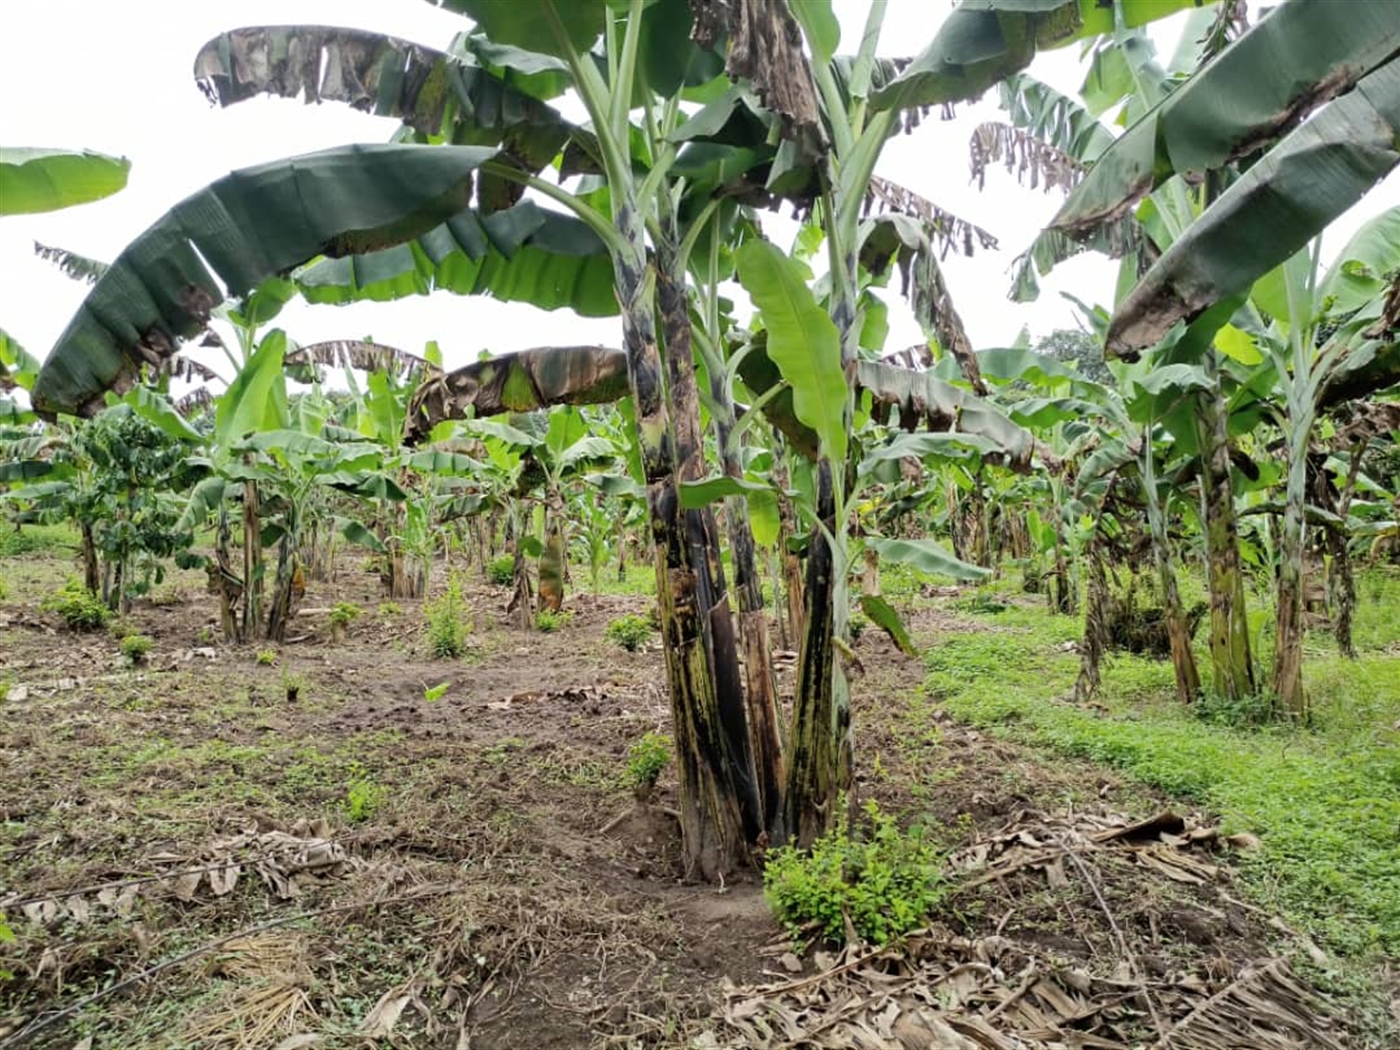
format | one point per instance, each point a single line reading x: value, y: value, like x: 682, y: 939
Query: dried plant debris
x: 285, y: 861
x: 941, y: 989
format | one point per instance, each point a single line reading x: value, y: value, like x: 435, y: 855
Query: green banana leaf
x: 521, y: 254
x: 1301, y: 55
x: 802, y: 342
x: 984, y: 41
x: 883, y: 615
x: 536, y: 25
x: 37, y: 180
x: 18, y: 367
x: 1283, y: 201
x: 248, y: 226
x: 926, y: 556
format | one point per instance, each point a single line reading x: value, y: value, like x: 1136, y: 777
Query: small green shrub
x: 4, y: 591
x: 1217, y: 710
x: 266, y: 657
x: 363, y: 796
x: 502, y: 570
x: 645, y: 761
x: 387, y: 609
x: 80, y: 610
x: 630, y: 631
x: 857, y: 625
x: 886, y: 883
x: 343, y: 614
x: 136, y: 647
x: 547, y: 620
x: 447, y: 623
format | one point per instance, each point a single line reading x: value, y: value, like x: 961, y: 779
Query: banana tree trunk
x: 92, y: 572
x: 820, y: 762
x: 225, y: 581
x: 283, y: 606
x: 1288, y: 634
x: 1188, y: 678
x: 552, y: 560
x: 792, y: 564
x: 760, y: 682
x: 1095, y: 641
x: 1343, y: 582
x: 718, y: 810
x: 1232, y: 664
x: 252, y: 561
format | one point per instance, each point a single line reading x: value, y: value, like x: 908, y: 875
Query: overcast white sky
x: 114, y: 76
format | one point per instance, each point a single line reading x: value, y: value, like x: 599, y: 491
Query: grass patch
x: 1325, y: 799
x: 29, y: 539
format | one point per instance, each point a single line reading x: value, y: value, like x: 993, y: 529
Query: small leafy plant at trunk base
x: 645, y: 761
x: 885, y: 883
x: 266, y: 657
x: 343, y: 614
x: 136, y: 647
x: 447, y: 625
x: 387, y: 609
x: 630, y: 631
x: 502, y: 571
x: 547, y: 620
x: 80, y: 610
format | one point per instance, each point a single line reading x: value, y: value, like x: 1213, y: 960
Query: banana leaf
x: 37, y: 180
x: 521, y: 254
x: 1302, y: 55
x: 249, y: 225
x: 1283, y: 201
x: 519, y: 382
x: 984, y: 41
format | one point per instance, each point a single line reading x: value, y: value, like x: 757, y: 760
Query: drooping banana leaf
x: 518, y: 382
x: 1300, y: 56
x: 522, y: 254
x: 249, y: 225
x: 303, y: 363
x: 433, y: 92
x: 36, y: 180
x: 1283, y: 201
x: 984, y: 41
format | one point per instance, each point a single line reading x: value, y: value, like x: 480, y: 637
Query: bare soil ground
x: 294, y: 848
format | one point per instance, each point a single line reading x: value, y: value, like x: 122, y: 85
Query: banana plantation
x: 746, y: 681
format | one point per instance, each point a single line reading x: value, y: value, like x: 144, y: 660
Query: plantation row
x: 1235, y: 425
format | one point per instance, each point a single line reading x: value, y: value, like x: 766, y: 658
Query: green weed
x: 136, y: 647
x: 447, y: 623
x: 630, y: 632
x: 886, y: 882
x: 363, y: 796
x: 548, y: 621
x: 343, y: 614
x: 79, y: 609
x: 501, y: 571
x: 645, y: 761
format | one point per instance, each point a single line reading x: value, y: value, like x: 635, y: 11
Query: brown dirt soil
x: 438, y: 874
